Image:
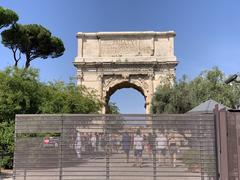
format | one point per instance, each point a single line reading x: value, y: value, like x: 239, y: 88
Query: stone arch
x: 120, y: 85
x: 107, y: 61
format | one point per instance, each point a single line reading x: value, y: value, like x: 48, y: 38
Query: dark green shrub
x: 6, y: 144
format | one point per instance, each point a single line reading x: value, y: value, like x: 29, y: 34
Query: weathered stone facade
x: 108, y: 61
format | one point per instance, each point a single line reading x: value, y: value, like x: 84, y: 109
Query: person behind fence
x: 149, y: 149
x: 138, y: 148
x: 103, y: 142
x: 114, y: 144
x: 88, y: 144
x: 93, y: 145
x: 78, y: 145
x: 173, y: 147
x: 161, y: 147
x: 97, y: 142
x: 145, y: 142
x: 84, y: 142
x: 126, y: 144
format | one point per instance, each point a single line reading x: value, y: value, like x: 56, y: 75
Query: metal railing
x: 126, y: 147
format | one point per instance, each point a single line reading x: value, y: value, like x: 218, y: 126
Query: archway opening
x: 128, y: 97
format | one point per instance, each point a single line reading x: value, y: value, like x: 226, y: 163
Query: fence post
x: 1, y: 161
x: 61, y: 144
x: 221, y: 144
x: 217, y: 139
x: 154, y: 157
x: 107, y: 157
x: 201, y: 149
x: 237, y: 119
x: 14, y: 148
x: 153, y: 126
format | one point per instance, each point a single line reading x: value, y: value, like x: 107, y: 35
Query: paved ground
x: 6, y: 175
x: 95, y: 169
x: 120, y: 170
x: 6, y: 178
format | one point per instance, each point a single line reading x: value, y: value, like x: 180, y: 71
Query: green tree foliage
x: 112, y: 108
x: 33, y: 40
x: 10, y: 40
x: 114, y: 124
x: 60, y: 98
x: 185, y: 95
x: 6, y: 144
x: 21, y: 92
x: 7, y: 17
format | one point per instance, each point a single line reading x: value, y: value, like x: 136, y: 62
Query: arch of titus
x: 108, y: 61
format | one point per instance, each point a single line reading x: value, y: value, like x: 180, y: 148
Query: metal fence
x: 126, y: 147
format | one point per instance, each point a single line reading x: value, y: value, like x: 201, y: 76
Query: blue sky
x: 208, y: 33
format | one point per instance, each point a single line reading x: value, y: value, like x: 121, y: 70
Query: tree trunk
x: 16, y: 63
x: 27, y: 64
x: 28, y: 60
x: 15, y: 56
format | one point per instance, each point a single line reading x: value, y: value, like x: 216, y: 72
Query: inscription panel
x: 119, y: 47
x: 126, y: 47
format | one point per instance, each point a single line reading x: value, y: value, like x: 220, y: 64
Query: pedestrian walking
x: 138, y: 148
x: 78, y: 145
x: 93, y: 145
x: 126, y: 144
x: 161, y: 147
x: 150, y: 141
x: 173, y: 148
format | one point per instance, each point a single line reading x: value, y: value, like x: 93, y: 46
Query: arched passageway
x: 129, y: 101
x: 132, y: 96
